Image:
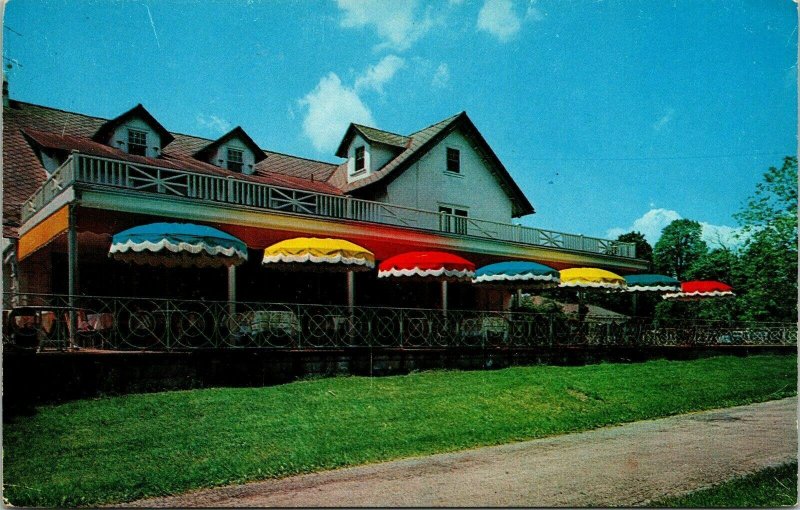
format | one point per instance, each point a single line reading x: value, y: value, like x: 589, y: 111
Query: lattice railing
x: 163, y: 324
x: 96, y: 171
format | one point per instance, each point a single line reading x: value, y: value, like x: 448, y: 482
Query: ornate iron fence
x: 114, y: 323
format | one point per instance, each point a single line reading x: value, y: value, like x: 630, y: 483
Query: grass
x: 769, y: 488
x: 123, y: 448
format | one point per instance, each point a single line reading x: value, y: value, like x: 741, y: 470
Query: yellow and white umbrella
x: 321, y: 254
x: 591, y: 278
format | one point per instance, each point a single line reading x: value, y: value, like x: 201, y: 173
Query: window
x: 137, y: 142
x: 359, y: 159
x: 235, y: 160
x: 453, y: 220
x: 453, y: 160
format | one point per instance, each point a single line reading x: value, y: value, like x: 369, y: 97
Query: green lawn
x: 769, y: 488
x: 124, y: 448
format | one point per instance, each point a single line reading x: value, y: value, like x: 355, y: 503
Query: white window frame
x: 228, y: 159
x: 447, y: 161
x: 132, y: 132
x: 363, y: 149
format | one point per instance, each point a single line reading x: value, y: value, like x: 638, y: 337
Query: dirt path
x: 623, y: 465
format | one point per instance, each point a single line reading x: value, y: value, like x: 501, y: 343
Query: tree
x: 681, y: 244
x: 720, y: 264
x: 643, y: 249
x: 769, y: 255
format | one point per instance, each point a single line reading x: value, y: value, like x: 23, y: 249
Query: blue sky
x: 609, y: 115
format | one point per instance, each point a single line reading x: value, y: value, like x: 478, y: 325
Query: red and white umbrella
x: 697, y: 290
x: 428, y: 265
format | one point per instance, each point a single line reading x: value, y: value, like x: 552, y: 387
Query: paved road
x: 623, y: 465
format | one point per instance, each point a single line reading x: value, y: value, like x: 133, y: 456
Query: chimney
x: 5, y: 89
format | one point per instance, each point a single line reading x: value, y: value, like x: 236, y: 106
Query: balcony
x: 91, y: 172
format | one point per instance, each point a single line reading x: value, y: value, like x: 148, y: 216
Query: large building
x: 71, y: 181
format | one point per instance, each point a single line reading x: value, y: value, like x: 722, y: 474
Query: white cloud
x: 441, y: 77
x: 213, y: 123
x: 499, y: 18
x: 653, y: 222
x: 396, y: 22
x: 375, y: 77
x: 664, y: 119
x: 331, y: 106
x: 650, y: 224
x: 720, y: 236
x: 533, y: 12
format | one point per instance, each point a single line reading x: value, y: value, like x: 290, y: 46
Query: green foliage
x: 720, y: 264
x: 768, y: 488
x: 546, y: 307
x: 95, y: 452
x: 769, y: 257
x: 643, y: 249
x: 680, y: 245
x: 763, y: 272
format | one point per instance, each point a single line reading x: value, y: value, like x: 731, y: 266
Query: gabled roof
x: 106, y: 130
x: 236, y: 132
x: 373, y: 135
x: 28, y: 127
x: 420, y: 143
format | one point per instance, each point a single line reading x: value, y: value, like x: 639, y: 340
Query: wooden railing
x: 96, y: 171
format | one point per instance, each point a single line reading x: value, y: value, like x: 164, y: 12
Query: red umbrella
x: 697, y: 290
x: 428, y: 265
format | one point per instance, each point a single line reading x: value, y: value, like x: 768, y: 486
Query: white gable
x: 220, y: 156
x: 119, y: 139
x: 376, y: 155
x: 428, y: 185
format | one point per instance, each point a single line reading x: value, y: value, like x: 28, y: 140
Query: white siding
x: 379, y: 156
x: 220, y: 157
x: 119, y: 139
x: 427, y: 184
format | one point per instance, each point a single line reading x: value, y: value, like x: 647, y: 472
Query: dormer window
x: 235, y: 160
x: 137, y: 142
x: 360, y: 164
x: 453, y: 160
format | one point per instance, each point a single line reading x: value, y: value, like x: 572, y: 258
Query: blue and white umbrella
x: 652, y: 283
x: 177, y: 245
x: 517, y: 274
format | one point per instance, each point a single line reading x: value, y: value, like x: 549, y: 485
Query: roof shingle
x: 27, y: 125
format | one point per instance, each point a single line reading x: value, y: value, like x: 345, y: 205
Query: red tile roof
x: 27, y: 126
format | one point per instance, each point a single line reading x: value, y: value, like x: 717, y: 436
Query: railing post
x: 75, y: 163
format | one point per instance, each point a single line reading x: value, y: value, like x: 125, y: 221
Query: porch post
x: 351, y: 290
x: 72, y: 274
x: 444, y: 296
x: 231, y: 289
